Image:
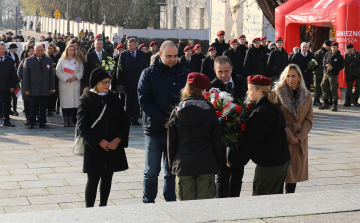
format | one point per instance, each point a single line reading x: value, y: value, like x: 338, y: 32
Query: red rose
x: 238, y: 109
x: 207, y: 95
x: 249, y: 106
x: 243, y: 127
x: 218, y: 114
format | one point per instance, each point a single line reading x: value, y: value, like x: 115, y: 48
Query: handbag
x: 79, y: 146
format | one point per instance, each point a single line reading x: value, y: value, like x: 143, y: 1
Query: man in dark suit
x: 186, y: 62
x: 131, y: 63
x: 49, y: 38
x: 7, y: 82
x: 229, y: 179
x: 93, y: 60
x: 39, y: 83
x: 12, y: 53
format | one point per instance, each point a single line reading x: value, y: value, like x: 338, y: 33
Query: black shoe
x: 31, y: 127
x: 50, y: 114
x: 11, y: 113
x: 57, y: 112
x: 16, y: 114
x: 136, y: 123
x: 317, y: 104
x: 8, y: 124
x: 43, y: 126
x: 356, y: 104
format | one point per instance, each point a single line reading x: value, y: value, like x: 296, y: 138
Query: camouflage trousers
x: 317, y: 82
x: 329, y: 85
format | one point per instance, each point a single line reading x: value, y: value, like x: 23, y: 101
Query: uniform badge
x: 48, y: 66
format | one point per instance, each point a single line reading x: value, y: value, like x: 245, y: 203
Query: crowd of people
x: 181, y: 127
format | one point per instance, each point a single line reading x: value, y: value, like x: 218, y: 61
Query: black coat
x: 16, y: 62
x: 8, y: 75
x: 236, y: 57
x: 265, y: 137
x: 114, y: 123
x: 129, y: 70
x: 336, y: 61
x: 21, y: 38
x: 61, y: 45
x: 236, y: 157
x: 277, y: 62
x: 291, y: 55
x: 303, y: 62
x: 207, y: 68
x: 92, y: 62
x: 220, y: 47
x: 266, y: 51
x: 194, y: 139
x: 198, y: 59
x: 50, y: 39
x: 185, y: 64
x: 255, y: 62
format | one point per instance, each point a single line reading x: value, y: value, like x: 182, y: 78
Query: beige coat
x: 299, y: 120
x: 69, y: 92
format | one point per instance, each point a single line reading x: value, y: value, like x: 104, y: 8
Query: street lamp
x: 104, y: 23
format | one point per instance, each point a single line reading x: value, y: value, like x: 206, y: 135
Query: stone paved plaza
x: 38, y: 170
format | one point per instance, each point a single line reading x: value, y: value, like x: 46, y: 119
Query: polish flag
x: 17, y: 92
x: 69, y: 69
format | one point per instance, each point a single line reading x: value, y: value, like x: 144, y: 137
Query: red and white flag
x: 69, y: 69
x: 17, y: 92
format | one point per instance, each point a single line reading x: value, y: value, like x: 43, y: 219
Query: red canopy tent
x: 341, y: 14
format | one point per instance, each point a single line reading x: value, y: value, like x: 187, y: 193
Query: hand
x: 27, y: 92
x: 70, y: 79
x: 293, y: 140
x: 12, y: 89
x: 51, y: 91
x: 329, y: 67
x: 104, y: 144
x: 114, y: 144
x: 167, y: 125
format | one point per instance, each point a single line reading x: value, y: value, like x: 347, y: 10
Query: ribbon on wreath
x: 228, y: 164
x: 227, y: 110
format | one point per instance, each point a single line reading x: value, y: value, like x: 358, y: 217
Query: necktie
x: 99, y: 56
x: 189, y: 63
x: 229, y: 85
x: 133, y: 55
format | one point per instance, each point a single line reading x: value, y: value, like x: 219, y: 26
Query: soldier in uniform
x: 352, y: 71
x: 91, y: 41
x: 333, y: 63
x: 319, y: 72
x: 109, y: 46
x: 153, y: 49
x: 220, y: 44
x: 84, y: 44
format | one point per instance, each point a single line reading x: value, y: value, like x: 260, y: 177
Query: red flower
x: 243, y: 127
x: 238, y: 109
x: 226, y: 119
x: 207, y: 95
x: 218, y: 114
x: 249, y: 107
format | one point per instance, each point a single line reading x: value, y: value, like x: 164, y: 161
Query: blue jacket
x: 159, y: 91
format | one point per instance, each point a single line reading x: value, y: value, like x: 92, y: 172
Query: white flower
x: 225, y: 97
x: 314, y: 61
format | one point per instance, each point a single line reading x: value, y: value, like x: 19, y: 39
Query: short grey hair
x: 304, y: 43
x: 167, y: 43
x: 38, y: 45
x: 132, y: 41
x: 2, y: 44
x: 222, y: 60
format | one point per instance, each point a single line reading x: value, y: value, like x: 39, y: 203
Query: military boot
x: 325, y: 105
x: 317, y: 101
x: 331, y: 100
x: 356, y: 102
x: 347, y: 102
x: 334, y: 108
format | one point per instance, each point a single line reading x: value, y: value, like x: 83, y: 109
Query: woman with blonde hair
x: 296, y: 105
x: 69, y: 71
x: 265, y: 137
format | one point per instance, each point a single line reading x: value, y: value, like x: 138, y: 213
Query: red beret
x: 263, y: 38
x: 242, y: 37
x: 97, y: 36
x: 120, y: 46
x: 259, y: 80
x: 153, y: 43
x: 335, y: 44
x: 233, y: 41
x: 220, y: 33
x: 198, y: 80
x: 211, y: 48
x: 278, y: 39
x: 256, y: 39
x: 187, y: 48
x: 196, y: 46
x: 142, y: 45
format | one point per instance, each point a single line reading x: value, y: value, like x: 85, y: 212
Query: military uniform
x: 319, y: 74
x: 352, y: 71
x: 110, y: 47
x: 85, y: 45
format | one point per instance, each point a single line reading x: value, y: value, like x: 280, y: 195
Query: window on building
x: 174, y: 18
x: 187, y: 25
x: 202, y: 18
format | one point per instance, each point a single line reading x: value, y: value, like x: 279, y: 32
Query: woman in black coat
x: 194, y: 142
x: 265, y: 138
x: 104, y: 150
x: 207, y: 66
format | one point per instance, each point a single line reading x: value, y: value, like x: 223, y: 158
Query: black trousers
x: 35, y: 103
x: 229, y: 181
x: 92, y: 185
x: 132, y: 104
x: 27, y: 108
x: 6, y: 96
x: 289, y: 188
x: 51, y: 102
x: 14, y: 101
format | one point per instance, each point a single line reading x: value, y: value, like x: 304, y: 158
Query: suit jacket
x: 16, y: 62
x: 92, y: 62
x: 240, y: 87
x: 185, y: 64
x: 129, y: 69
x: 38, y: 77
x: 7, y: 74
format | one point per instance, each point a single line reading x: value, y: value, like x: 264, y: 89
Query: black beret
x: 327, y: 42
x: 349, y: 46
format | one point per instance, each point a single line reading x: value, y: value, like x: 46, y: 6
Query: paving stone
x: 333, y: 167
x: 43, y: 183
x: 48, y: 164
x: 320, y: 218
x: 30, y: 171
x: 335, y: 173
x: 47, y: 176
x: 23, y: 192
x: 9, y: 185
x: 12, y: 178
x: 54, y: 199
x: 18, y: 201
x: 32, y: 208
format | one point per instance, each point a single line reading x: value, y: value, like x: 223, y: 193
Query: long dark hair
x: 27, y: 51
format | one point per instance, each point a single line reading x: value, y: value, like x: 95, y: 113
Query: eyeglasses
x: 105, y: 82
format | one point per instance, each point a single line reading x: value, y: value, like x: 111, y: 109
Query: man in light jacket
x: 39, y: 83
